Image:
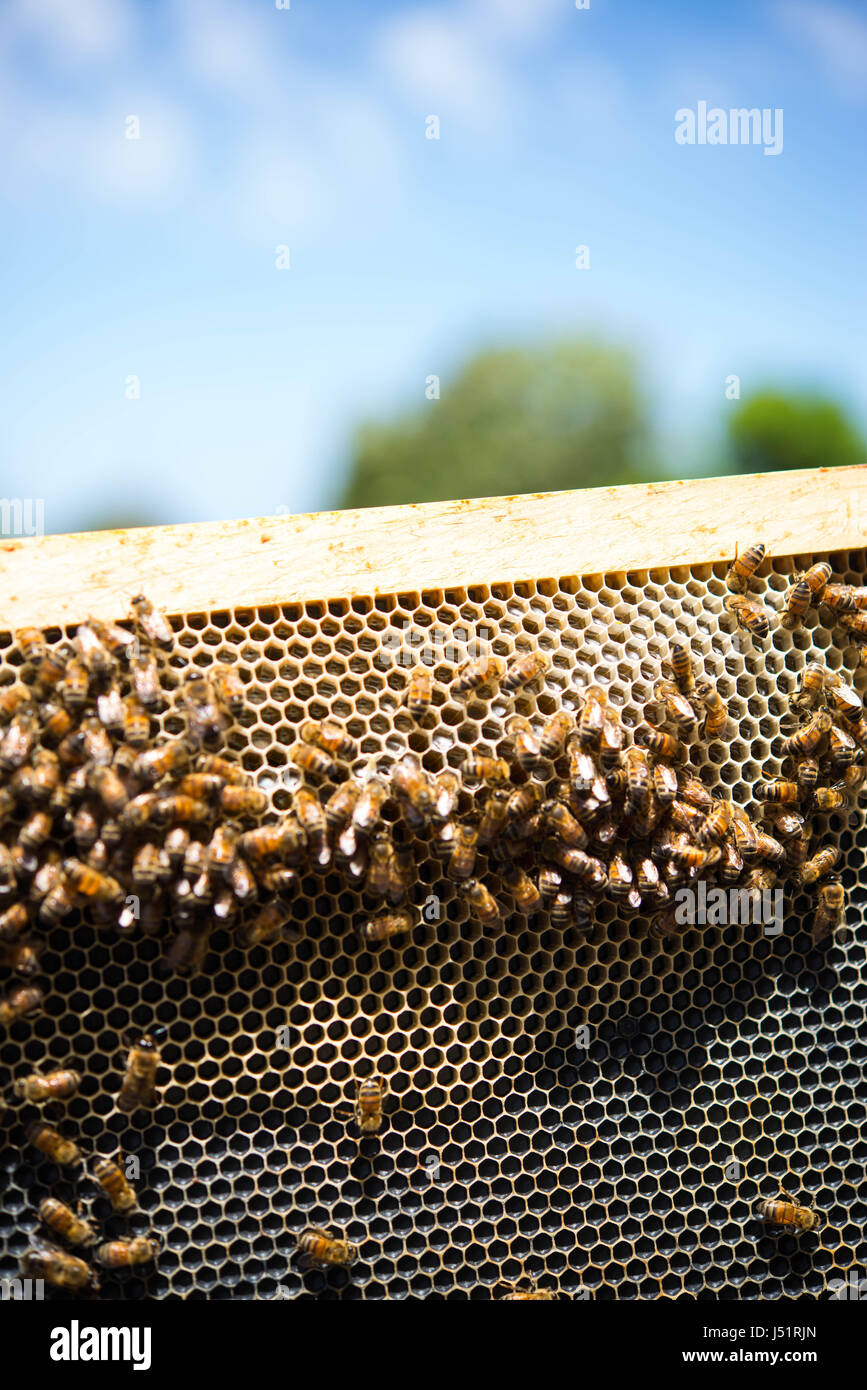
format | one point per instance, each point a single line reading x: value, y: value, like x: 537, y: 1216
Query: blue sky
x: 259, y: 127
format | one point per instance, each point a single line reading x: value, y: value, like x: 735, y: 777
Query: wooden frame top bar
x: 55, y: 580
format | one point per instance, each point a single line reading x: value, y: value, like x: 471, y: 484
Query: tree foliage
x: 566, y: 415
x: 770, y: 430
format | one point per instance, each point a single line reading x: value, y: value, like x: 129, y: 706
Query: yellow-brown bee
x: 842, y: 748
x: 138, y: 1088
x: 798, y: 600
x: 447, y: 788
x: 558, y: 819
x: 856, y: 623
x: 681, y: 667
x: 57, y: 1267
x: 245, y: 802
x: 830, y: 911
x: 64, y: 1222
x: 170, y: 759
x: 592, y: 717
x: 22, y: 957
x: 368, y: 808
x: 410, y: 781
x: 125, y: 1254
x: 816, y: 578
x: 367, y: 1111
x: 341, y: 803
x: 479, y: 768
x: 228, y: 686
x: 32, y: 643
x: 743, y: 568
x: 523, y: 889
x: 494, y: 816
x: 527, y: 745
x: 478, y: 673
x: 554, y: 734
x: 272, y: 921
x: 789, y: 1213
x: 524, y: 801
x: 820, y: 865
x: 637, y: 780
x: 13, y: 922
x: 582, y: 768
x: 811, y: 687
x: 749, y: 614
x: 663, y: 745
x: 482, y: 903
x: 153, y: 624
x: 313, y: 761
x: 90, y: 884
x: 53, y: 1085
x: 20, y: 1003
x: 146, y: 680
x: 462, y: 860
x: 136, y: 723
x: 828, y: 798
x: 330, y: 736
x: 716, y: 714
x: 378, y: 930
x: 113, y: 1181
x: 379, y: 865
x: 64, y: 1152
x: 18, y: 740
x: 844, y: 701
x: 779, y: 792
x: 12, y: 697
x: 319, y: 1248
x: 676, y: 705
x: 665, y: 782
x: 524, y: 670
x: 808, y: 740
x: 844, y: 598
x: 418, y: 692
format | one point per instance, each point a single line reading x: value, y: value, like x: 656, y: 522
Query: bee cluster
x: 150, y: 825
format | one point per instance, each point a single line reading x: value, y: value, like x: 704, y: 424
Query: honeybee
x: 524, y: 670
x: 341, y: 803
x: 717, y: 824
x: 447, y: 789
x: 844, y: 701
x: 676, y: 705
x: 808, y: 740
x: 312, y: 760
x: 56, y: 723
x: 136, y: 723
x: 382, y: 928
x: 379, y: 866
x: 828, y: 798
x: 113, y: 1181
x: 228, y: 686
x: 844, y: 598
x: 285, y: 839
x: 663, y: 745
x: 417, y: 695
x: 64, y: 1222
x: 272, y: 921
x: 811, y: 687
x: 716, y: 714
x: 743, y: 568
x: 179, y: 810
x: 555, y: 733
x: 18, y: 740
x: 854, y: 779
x: 57, y: 903
x: 245, y: 802
x: 482, y: 903
x: 12, y: 697
x: 592, y: 717
x: 20, y: 1002
x: 681, y: 667
x: 665, y: 782
x: 32, y: 644
x: 311, y: 819
x: 523, y: 801
x: 463, y: 856
x: 64, y: 1152
x: 559, y: 820
x: 22, y: 957
x: 779, y: 792
x: 478, y: 673
x: 13, y: 922
x: 57, y: 1267
x: 187, y: 953
x: 146, y: 680
x: 109, y: 788
x: 410, y: 781
x: 73, y: 689
x: 637, y: 769
x: 206, y: 718
x: 842, y: 748
x: 53, y: 1085
x: 153, y: 624
x: 523, y: 889
x: 527, y: 745
x: 367, y: 1111
x: 478, y: 768
x: 319, y: 1248
x: 749, y: 614
x: 125, y: 1254
x: 856, y: 623
x: 330, y: 736
x: 368, y: 807
x: 798, y: 600
x: 494, y: 816
x: 89, y: 883
x: 816, y: 578
x: 830, y: 910
x: 582, y: 769
x: 170, y: 759
x: 216, y: 766
x: 665, y: 924
x: 788, y: 1213
x: 820, y: 865
x: 138, y: 1088
x: 532, y: 1291
x: 95, y: 655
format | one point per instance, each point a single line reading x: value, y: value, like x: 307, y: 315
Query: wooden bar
x: 55, y: 580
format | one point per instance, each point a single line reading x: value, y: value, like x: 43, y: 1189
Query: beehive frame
x: 604, y: 1172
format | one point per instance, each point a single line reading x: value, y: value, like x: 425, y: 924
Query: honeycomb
x: 601, y: 1112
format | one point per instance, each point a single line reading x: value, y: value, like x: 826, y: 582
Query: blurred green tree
x: 770, y: 430
x: 565, y: 415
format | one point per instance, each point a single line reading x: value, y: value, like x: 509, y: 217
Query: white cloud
x: 442, y: 63
x: 833, y: 33
x: 518, y: 19
x: 72, y: 31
